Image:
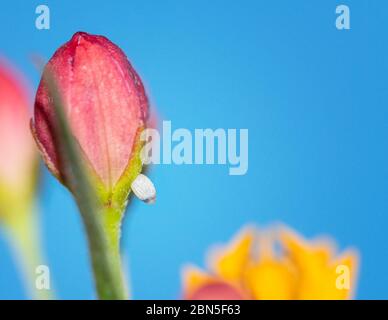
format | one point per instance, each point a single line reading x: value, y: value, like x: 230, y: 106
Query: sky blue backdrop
x: 313, y: 98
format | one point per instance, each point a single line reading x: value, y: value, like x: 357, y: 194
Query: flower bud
x: 106, y: 107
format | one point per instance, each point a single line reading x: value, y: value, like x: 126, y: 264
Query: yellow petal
x: 193, y: 278
x: 229, y: 263
x: 317, y: 274
x: 345, y: 269
x: 300, y: 249
x: 271, y: 280
x: 331, y: 282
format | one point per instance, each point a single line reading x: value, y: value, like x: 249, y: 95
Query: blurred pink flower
x: 217, y: 290
x: 16, y: 144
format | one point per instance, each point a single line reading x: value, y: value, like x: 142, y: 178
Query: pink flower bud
x: 104, y: 100
x: 17, y: 160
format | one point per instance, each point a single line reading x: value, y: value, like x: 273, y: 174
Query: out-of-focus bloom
x: 106, y: 106
x: 18, y: 162
x: 18, y: 173
x: 273, y: 265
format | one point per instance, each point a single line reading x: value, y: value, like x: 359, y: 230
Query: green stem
x: 104, y: 246
x: 23, y: 230
x: 112, y: 217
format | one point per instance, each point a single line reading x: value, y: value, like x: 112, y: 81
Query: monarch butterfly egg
x: 144, y: 189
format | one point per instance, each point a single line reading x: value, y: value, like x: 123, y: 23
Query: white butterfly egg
x: 144, y: 189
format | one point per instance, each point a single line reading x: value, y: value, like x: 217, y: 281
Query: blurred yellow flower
x: 273, y: 264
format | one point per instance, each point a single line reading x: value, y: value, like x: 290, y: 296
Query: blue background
x: 313, y: 98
